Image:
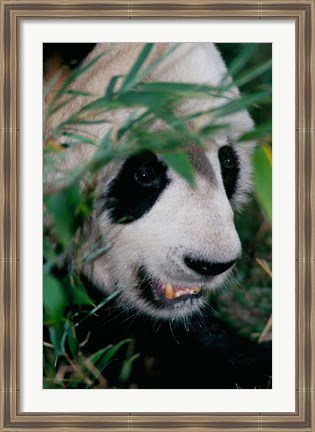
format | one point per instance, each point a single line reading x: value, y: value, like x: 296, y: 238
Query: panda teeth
x: 170, y: 293
x: 196, y: 290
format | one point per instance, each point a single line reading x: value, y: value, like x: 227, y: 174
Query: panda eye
x: 227, y: 157
x: 230, y: 168
x: 228, y: 162
x: 146, y: 176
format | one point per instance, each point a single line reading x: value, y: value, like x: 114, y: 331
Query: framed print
x: 136, y: 159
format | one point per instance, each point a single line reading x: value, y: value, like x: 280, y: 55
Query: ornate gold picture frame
x: 12, y: 15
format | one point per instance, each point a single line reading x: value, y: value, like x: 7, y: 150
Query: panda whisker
x: 172, y: 332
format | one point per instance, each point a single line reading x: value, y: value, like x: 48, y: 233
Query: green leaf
x: 261, y: 131
x: 54, y: 297
x: 156, y: 62
x: 127, y: 368
x: 148, y: 99
x: 97, y: 356
x: 64, y: 210
x: 181, y: 164
x: 111, y: 87
x: 73, y: 341
x: 56, y: 107
x: 51, y: 83
x: 253, y: 73
x: 80, y: 138
x: 262, y: 164
x: 131, y: 77
x: 240, y: 61
x: 143, y: 120
x: 67, y: 212
x: 140, y: 75
x: 211, y: 129
x: 102, y: 358
x: 242, y: 103
x: 76, y: 291
x: 56, y: 334
x: 95, y: 253
x: 77, y: 93
x: 180, y: 90
x: 100, y: 305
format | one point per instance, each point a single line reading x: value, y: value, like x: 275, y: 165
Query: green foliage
x: 180, y: 163
x: 67, y: 305
x: 263, y: 179
x: 64, y: 209
x: 246, y: 306
x: 55, y: 299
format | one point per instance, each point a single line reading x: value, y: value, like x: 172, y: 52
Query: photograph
x: 156, y: 237
x: 157, y: 215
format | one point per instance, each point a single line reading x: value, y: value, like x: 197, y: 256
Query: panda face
x: 169, y: 243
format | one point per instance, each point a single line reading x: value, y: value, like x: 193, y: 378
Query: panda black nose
x: 207, y: 268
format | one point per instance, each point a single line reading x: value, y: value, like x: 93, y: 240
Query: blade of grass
x: 80, y: 138
x: 99, y: 306
x: 51, y: 83
x: 239, y: 62
x: 126, y: 368
x: 263, y: 179
x: 102, y: 359
x: 181, y: 89
x: 77, y: 93
x: 253, y: 73
x: 111, y: 86
x: 142, y: 74
x: 131, y: 78
x: 241, y: 103
x: 260, y: 131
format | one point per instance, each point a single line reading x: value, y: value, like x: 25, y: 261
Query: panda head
x: 167, y: 244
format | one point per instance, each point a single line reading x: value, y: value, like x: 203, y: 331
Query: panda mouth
x: 166, y: 293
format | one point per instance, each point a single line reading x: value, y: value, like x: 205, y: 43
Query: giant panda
x: 170, y: 244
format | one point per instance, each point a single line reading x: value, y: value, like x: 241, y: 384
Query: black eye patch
x: 136, y: 188
x: 230, y: 169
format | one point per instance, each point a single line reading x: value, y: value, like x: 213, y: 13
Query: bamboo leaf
x: 131, y: 78
x: 261, y: 131
x: 181, y: 164
x: 54, y: 298
x: 127, y: 367
x: 100, y: 305
x: 97, y: 356
x: 263, y: 179
x: 73, y: 341
x: 80, y: 138
x: 142, y: 74
x: 253, y: 73
x: 241, y: 103
x: 240, y: 61
x: 111, y: 86
x: 180, y: 90
x: 51, y: 83
x: 73, y: 92
x: 102, y: 358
